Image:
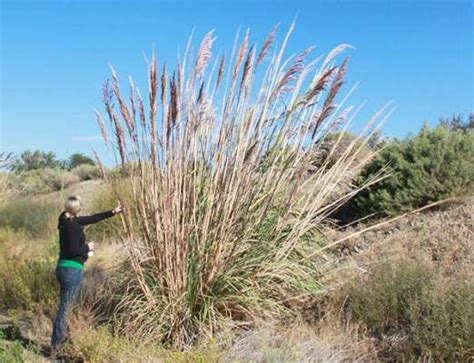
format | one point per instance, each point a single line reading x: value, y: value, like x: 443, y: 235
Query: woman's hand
x: 118, y: 209
x: 91, y: 246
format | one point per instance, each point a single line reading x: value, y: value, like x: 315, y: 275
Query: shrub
x: 11, y: 352
x: 446, y: 333
x: 86, y: 172
x: 41, y: 181
x: 28, y: 285
x: 429, y: 316
x: 210, y: 234
x: 430, y: 166
x: 26, y: 272
x: 37, y: 218
x: 383, y: 302
x: 30, y: 183
x: 78, y: 159
x: 57, y: 179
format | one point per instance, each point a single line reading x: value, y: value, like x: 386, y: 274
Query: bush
x: 408, y: 301
x: 56, y: 179
x: 11, y: 352
x: 446, y: 333
x: 28, y: 285
x: 27, y: 278
x: 41, y: 181
x: 30, y: 182
x: 37, y: 218
x: 86, y: 172
x: 78, y: 159
x: 430, y: 166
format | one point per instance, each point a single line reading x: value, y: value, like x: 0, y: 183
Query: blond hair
x: 72, y: 206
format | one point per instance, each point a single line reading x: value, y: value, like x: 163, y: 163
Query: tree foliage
x: 78, y: 159
x: 37, y: 159
x: 33, y: 160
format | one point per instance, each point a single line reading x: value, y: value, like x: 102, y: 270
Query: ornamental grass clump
x: 220, y: 210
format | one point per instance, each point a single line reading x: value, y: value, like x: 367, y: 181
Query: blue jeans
x: 70, y: 280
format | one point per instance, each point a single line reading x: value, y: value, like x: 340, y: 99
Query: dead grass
x: 442, y: 237
x: 329, y: 341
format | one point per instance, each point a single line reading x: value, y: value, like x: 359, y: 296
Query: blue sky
x: 55, y: 56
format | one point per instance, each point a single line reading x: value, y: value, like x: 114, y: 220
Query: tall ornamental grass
x: 6, y: 187
x: 220, y: 208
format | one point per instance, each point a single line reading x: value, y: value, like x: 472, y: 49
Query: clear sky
x: 55, y: 56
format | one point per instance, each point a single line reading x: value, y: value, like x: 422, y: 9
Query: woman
x: 74, y: 251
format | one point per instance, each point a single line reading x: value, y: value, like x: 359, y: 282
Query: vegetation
x: 28, y: 283
x: 86, y: 172
x: 34, y: 160
x: 37, y: 218
x: 39, y: 172
x: 11, y: 352
x: 77, y: 159
x: 37, y: 160
x: 230, y: 188
x: 432, y: 165
x: 5, y: 182
x: 211, y: 234
x: 409, y: 301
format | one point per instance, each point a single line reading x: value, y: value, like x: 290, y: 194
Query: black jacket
x: 72, y: 240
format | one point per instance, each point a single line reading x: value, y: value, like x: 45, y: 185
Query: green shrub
x: 86, y: 172
x: 78, y: 159
x: 37, y: 218
x: 446, y: 333
x: 11, y: 352
x: 27, y: 278
x: 28, y: 284
x: 57, y: 179
x: 30, y: 182
x: 430, y: 166
x: 41, y: 181
x: 434, y: 318
x: 384, y: 300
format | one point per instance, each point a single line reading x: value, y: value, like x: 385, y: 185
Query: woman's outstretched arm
x: 94, y: 218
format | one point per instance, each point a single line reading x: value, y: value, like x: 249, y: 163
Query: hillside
x: 440, y: 240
